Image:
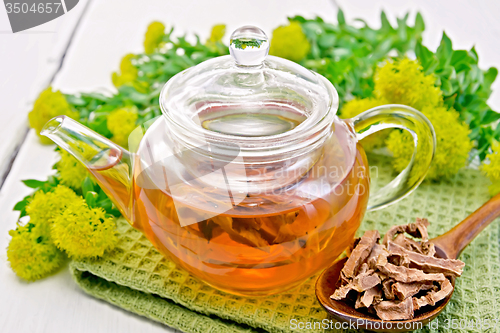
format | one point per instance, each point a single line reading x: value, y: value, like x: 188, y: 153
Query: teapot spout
x: 109, y: 164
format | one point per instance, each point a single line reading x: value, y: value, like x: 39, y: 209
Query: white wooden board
x: 28, y: 60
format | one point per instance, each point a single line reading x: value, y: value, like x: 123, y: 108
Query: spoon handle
x: 457, y: 239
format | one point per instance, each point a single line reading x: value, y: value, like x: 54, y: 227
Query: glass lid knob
x: 249, y: 46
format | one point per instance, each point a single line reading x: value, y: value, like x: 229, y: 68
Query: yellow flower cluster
x: 403, y: 82
x: 290, y: 42
x: 44, y: 205
x: 31, y: 253
x: 60, y: 220
x: 218, y: 31
x: 82, y: 231
x: 153, y: 36
x: 71, y: 171
x: 214, y: 42
x: 48, y: 105
x: 452, y: 143
x: 121, y: 122
x: 355, y: 107
x: 127, y: 74
x: 492, y: 170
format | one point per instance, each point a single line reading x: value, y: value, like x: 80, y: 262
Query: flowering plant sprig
x: 31, y: 253
x: 61, y: 222
x: 153, y: 37
x: 82, y: 231
x: 466, y: 88
x: 48, y: 105
x: 290, y: 42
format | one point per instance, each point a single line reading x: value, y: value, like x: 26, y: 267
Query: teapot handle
x: 424, y: 138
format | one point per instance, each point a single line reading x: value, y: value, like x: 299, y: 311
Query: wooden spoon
x: 449, y: 245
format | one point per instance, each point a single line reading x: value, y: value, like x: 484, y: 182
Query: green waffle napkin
x: 139, y: 279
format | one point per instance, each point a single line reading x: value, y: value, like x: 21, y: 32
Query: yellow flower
x: 82, y: 231
x: 48, y: 105
x: 153, y: 36
x: 72, y: 172
x: 452, y: 139
x: 355, y: 107
x: 31, y: 253
x: 121, y: 122
x: 44, y: 205
x: 290, y: 42
x: 218, y: 31
x: 403, y: 82
x: 492, y: 170
x: 128, y: 72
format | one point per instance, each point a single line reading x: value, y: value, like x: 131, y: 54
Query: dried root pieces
x: 398, y: 277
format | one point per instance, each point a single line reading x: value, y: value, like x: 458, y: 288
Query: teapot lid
x: 247, y: 93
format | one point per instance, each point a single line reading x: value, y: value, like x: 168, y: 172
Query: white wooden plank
x: 28, y: 61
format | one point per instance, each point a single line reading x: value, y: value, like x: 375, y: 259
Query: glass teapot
x: 249, y: 180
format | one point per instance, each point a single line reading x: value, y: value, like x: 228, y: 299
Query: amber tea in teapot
x: 267, y: 242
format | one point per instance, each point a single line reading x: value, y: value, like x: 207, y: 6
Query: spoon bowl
x: 448, y: 245
x: 342, y: 311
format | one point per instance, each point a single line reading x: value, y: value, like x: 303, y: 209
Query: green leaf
x: 33, y: 183
x: 490, y: 75
x: 96, y: 96
x: 87, y: 185
x: 382, y: 49
x: 133, y: 95
x: 340, y: 17
x: 445, y: 48
x: 460, y: 56
x: 106, y: 204
x: 158, y: 57
x: 445, y: 71
x: 90, y: 198
x: 419, y: 23
x: 490, y: 116
x: 473, y: 54
x: 386, y: 25
x: 326, y: 41
x: 75, y: 100
x: 446, y: 87
x: 402, y: 29
x: 427, y: 58
x: 21, y: 205
x: 297, y: 18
